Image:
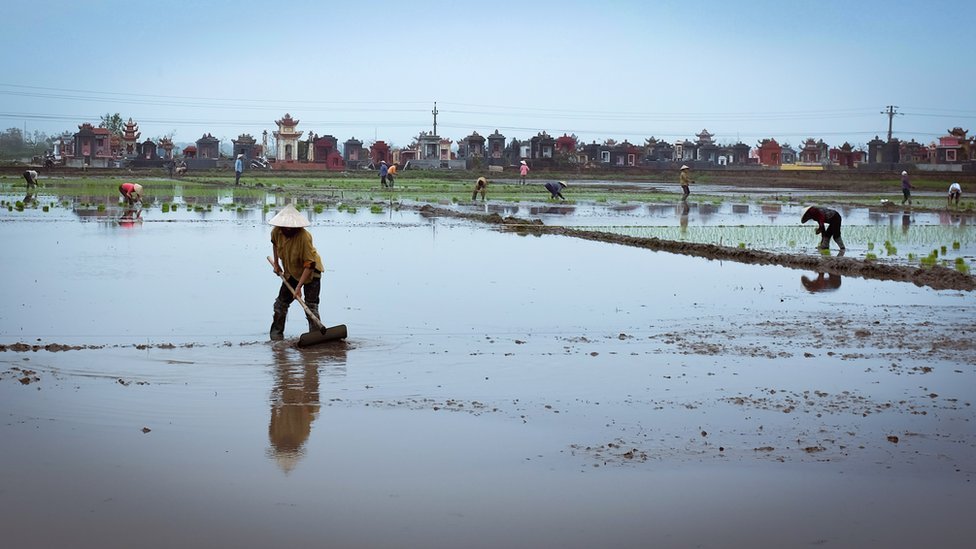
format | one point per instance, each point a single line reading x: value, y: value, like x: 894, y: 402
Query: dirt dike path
x: 937, y: 277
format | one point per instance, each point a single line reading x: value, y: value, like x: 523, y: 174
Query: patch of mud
x: 936, y: 277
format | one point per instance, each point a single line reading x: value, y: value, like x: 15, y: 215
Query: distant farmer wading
x: 685, y: 180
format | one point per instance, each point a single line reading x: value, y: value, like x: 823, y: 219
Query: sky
x: 372, y: 70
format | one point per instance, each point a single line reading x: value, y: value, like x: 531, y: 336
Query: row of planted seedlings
x: 923, y: 245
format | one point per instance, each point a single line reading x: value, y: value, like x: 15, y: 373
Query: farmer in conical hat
x: 296, y: 257
x: 238, y: 168
x: 825, y: 216
x: 131, y: 192
x: 555, y: 189
x: 685, y: 180
x: 384, y: 171
x: 523, y: 171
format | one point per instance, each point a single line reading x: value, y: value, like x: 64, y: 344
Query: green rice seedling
x: 101, y: 207
x: 911, y: 256
x: 318, y: 208
x: 825, y: 252
x: 165, y: 207
x: 961, y: 265
x: 19, y: 205
x: 870, y: 246
x: 955, y: 245
x: 742, y: 245
x: 943, y: 249
x: 376, y: 209
x: 351, y: 209
x: 792, y: 243
x: 870, y: 257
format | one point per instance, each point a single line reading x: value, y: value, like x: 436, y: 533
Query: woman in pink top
x: 131, y: 192
x: 522, y: 171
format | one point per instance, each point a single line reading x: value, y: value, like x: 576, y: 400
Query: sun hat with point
x: 289, y: 217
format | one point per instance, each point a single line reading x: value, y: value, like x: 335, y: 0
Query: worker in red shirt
x: 131, y: 192
x: 828, y: 217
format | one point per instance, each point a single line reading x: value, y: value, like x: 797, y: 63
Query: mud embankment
x: 938, y: 278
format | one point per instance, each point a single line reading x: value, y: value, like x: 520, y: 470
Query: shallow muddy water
x: 495, y: 391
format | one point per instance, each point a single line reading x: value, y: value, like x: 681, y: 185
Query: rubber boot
x: 312, y: 326
x: 278, y: 322
x: 824, y: 242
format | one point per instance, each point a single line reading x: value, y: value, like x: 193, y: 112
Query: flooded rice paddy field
x: 495, y: 390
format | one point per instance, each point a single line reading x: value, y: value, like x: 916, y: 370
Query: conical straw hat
x: 289, y: 217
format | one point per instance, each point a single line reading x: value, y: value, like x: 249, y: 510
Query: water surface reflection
x: 295, y: 400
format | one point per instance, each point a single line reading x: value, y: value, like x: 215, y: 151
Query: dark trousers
x: 310, y: 290
x: 237, y: 178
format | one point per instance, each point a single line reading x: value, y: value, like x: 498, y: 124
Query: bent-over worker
x: 832, y: 220
x: 955, y: 191
x: 131, y: 192
x: 555, y: 189
x: 391, y: 173
x: 480, y: 186
x: 297, y: 259
x: 31, y: 177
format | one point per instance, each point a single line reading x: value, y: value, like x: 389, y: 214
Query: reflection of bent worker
x: 131, y: 192
x: 130, y: 217
x: 832, y: 220
x: 299, y: 262
x: 480, y: 186
x: 827, y: 283
x: 555, y: 189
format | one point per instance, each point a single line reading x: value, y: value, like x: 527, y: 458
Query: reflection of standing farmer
x: 555, y: 189
x: 299, y: 262
x: 523, y: 171
x: 31, y: 177
x: 480, y: 186
x: 391, y: 174
x: 131, y: 192
x: 384, y: 171
x: 825, y: 216
x: 685, y: 180
x: 238, y: 169
x: 906, y: 188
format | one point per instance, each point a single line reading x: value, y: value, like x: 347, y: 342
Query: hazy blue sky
x: 611, y: 69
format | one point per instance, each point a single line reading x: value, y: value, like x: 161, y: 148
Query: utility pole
x: 434, y: 112
x: 891, y: 112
